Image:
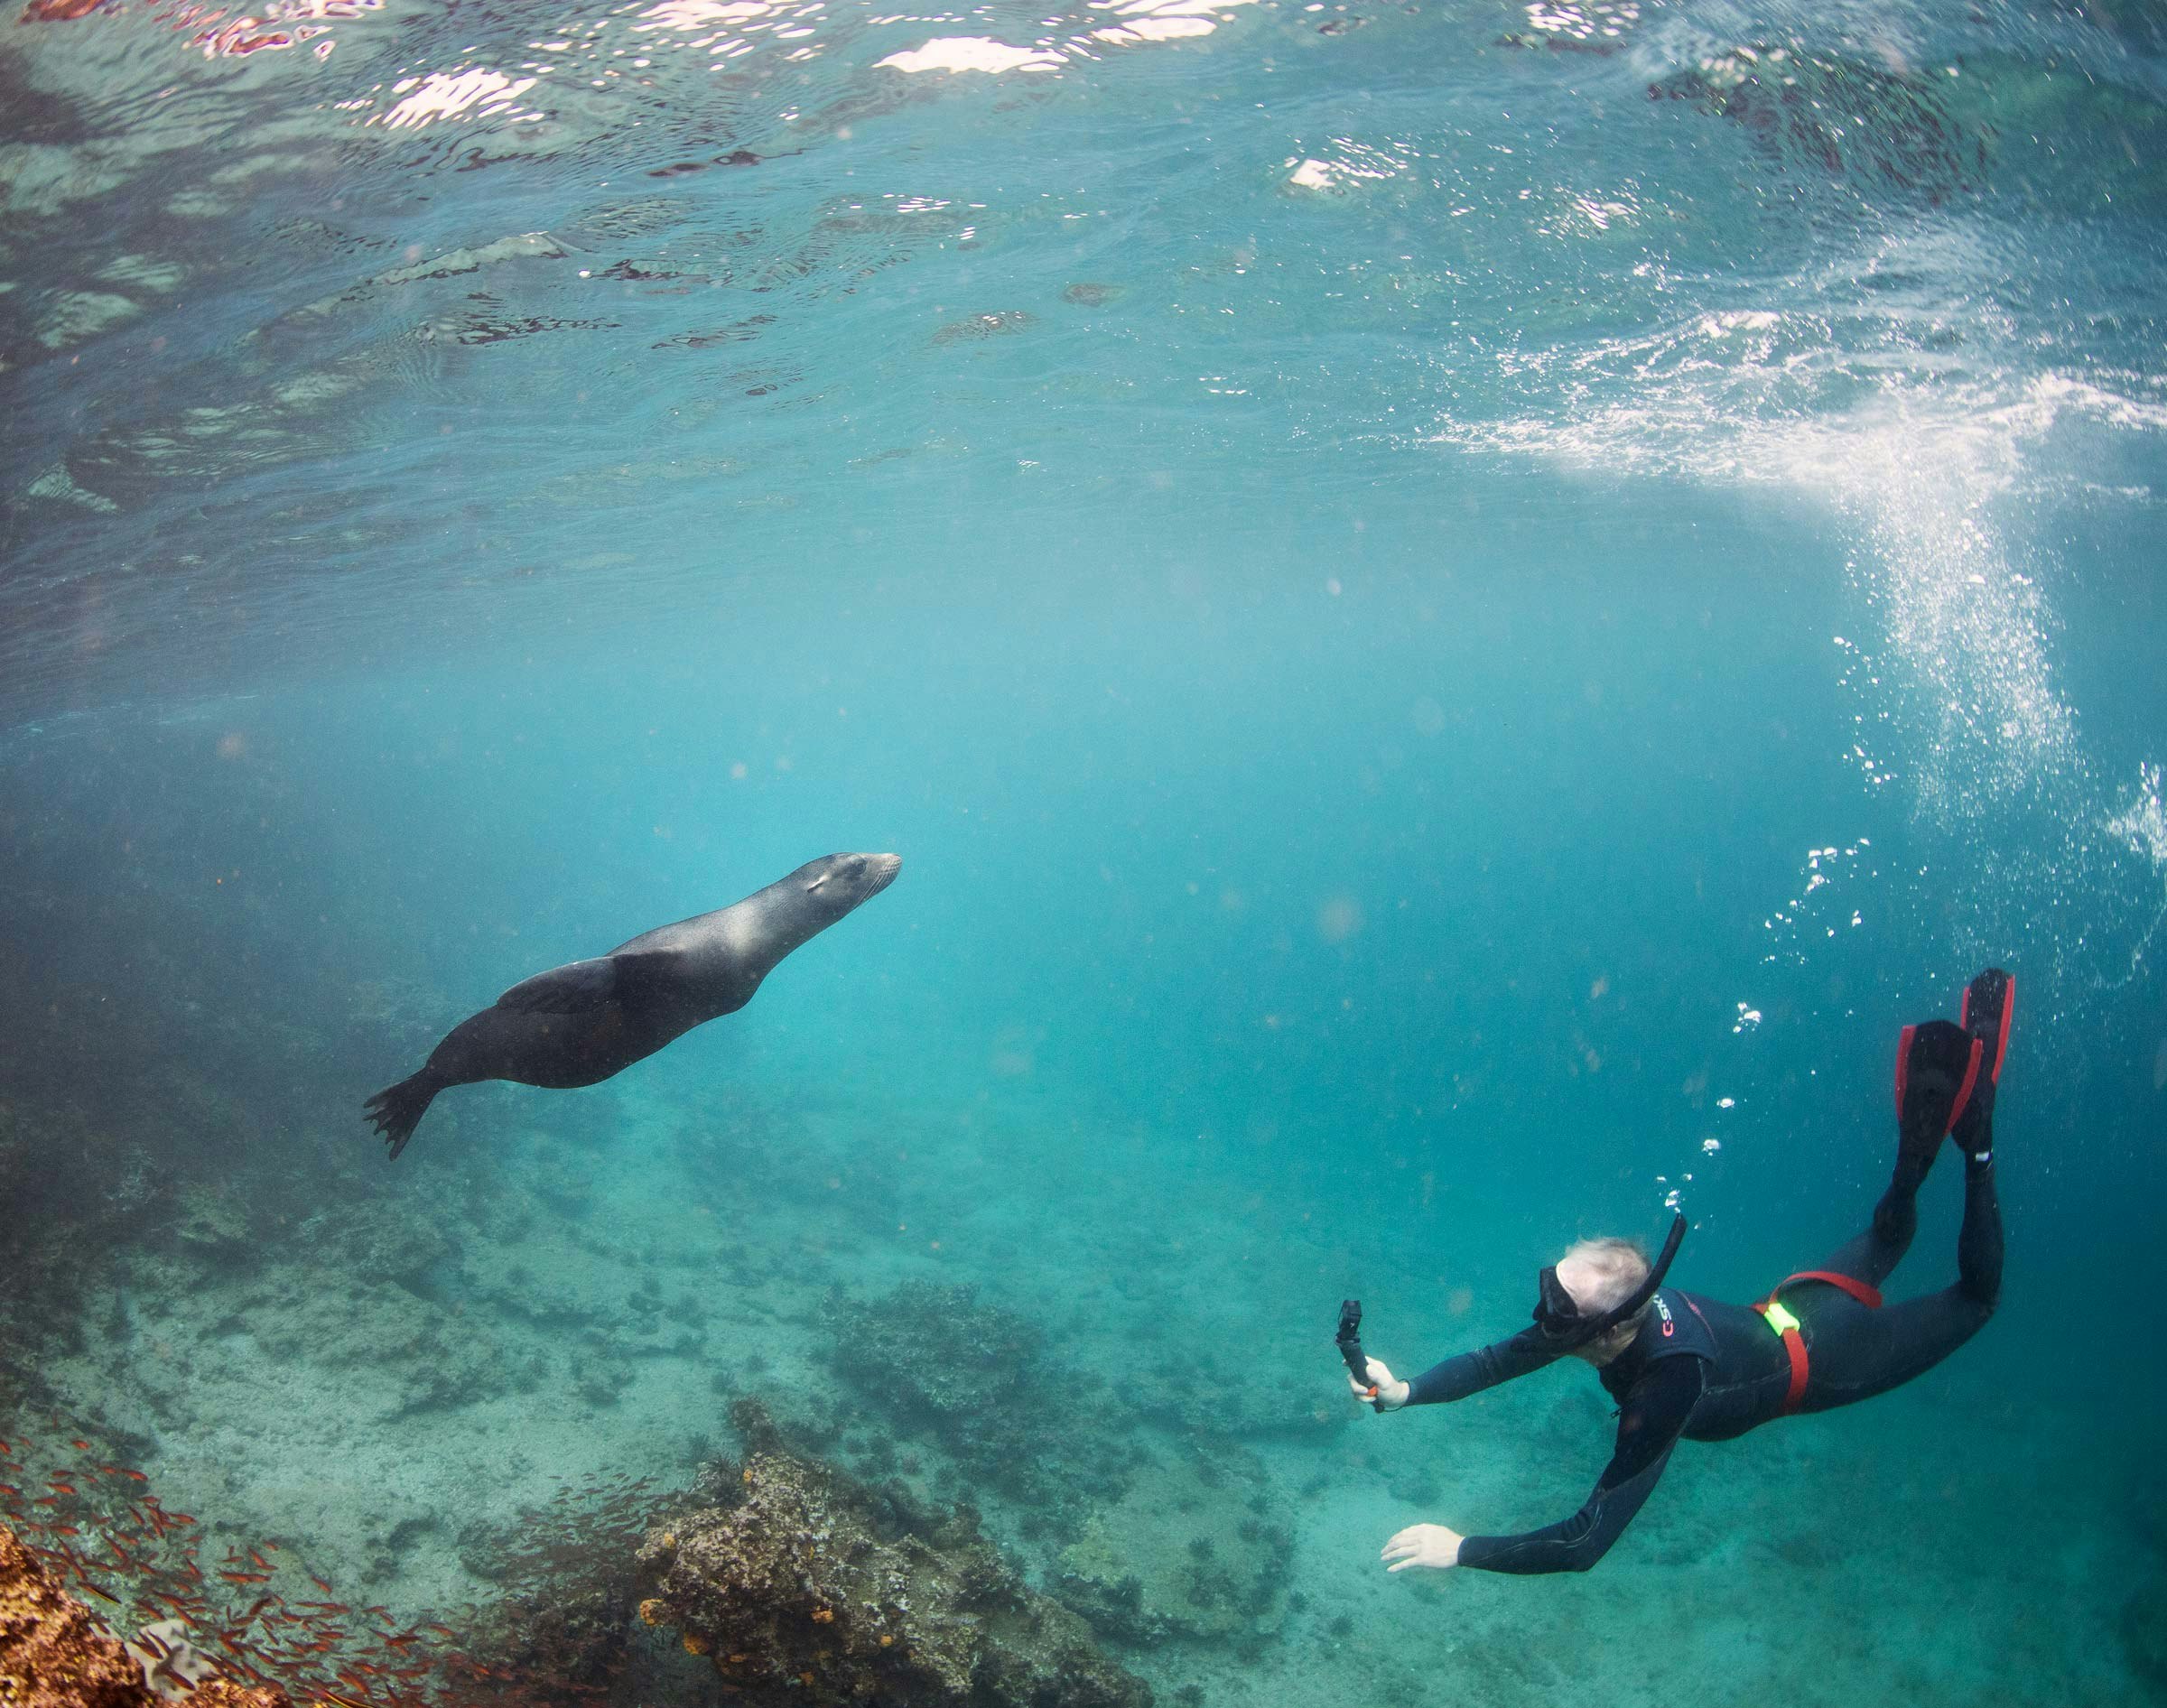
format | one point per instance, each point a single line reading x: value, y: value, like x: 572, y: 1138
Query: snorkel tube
x: 1349, y: 1339
x: 1565, y: 1330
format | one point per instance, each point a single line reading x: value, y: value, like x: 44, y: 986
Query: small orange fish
x: 81, y: 1446
x: 259, y: 1559
x: 246, y: 1577
x: 100, y: 1594
x: 57, y: 1487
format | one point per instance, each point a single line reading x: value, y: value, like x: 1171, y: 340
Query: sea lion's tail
x: 396, y: 1108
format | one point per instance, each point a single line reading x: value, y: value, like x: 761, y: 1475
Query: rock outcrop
x: 812, y: 1589
x: 54, y: 1655
x: 979, y: 1381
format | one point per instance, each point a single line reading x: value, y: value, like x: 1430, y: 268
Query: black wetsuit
x: 1703, y: 1370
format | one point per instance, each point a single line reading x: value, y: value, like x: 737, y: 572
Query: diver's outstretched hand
x: 1430, y: 1545
x: 1390, y: 1392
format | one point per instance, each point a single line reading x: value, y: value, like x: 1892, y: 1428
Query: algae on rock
x: 813, y: 1588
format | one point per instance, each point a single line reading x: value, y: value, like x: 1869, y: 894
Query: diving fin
x: 1989, y: 1006
x: 1937, y: 1072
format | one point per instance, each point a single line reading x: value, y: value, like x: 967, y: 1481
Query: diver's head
x: 1598, y: 1275
x: 1593, y: 1300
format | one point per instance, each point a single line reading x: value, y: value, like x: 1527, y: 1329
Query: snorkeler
x: 1681, y: 1366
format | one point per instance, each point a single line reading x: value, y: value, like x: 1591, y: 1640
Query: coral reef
x: 978, y: 1379
x: 813, y: 1589
x: 554, y: 1630
x: 54, y: 1655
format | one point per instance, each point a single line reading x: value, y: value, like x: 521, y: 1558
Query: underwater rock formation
x: 813, y: 1588
x: 1190, y: 1550
x: 944, y: 1354
x: 978, y: 1380
x: 54, y: 1655
x: 1161, y: 1532
x: 51, y: 1651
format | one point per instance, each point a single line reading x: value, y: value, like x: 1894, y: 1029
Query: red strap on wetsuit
x: 1868, y: 1297
x: 1794, y: 1342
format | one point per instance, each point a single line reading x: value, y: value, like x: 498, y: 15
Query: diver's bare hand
x: 1386, y: 1392
x: 1430, y: 1545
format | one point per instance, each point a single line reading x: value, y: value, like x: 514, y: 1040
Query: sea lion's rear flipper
x: 396, y: 1108
x: 581, y: 986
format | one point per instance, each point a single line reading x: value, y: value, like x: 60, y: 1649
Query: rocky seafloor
x: 460, y: 1402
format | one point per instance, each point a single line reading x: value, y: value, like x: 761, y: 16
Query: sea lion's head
x: 836, y: 883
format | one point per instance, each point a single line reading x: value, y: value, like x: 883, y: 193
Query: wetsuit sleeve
x: 1471, y: 1372
x: 1649, y: 1425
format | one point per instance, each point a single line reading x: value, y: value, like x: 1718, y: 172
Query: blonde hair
x: 1602, y: 1274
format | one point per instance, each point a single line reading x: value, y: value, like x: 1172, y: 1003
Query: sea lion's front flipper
x: 581, y: 986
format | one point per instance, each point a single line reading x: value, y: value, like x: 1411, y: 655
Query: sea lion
x: 579, y: 1024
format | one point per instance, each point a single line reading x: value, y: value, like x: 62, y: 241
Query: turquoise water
x: 1456, y: 612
